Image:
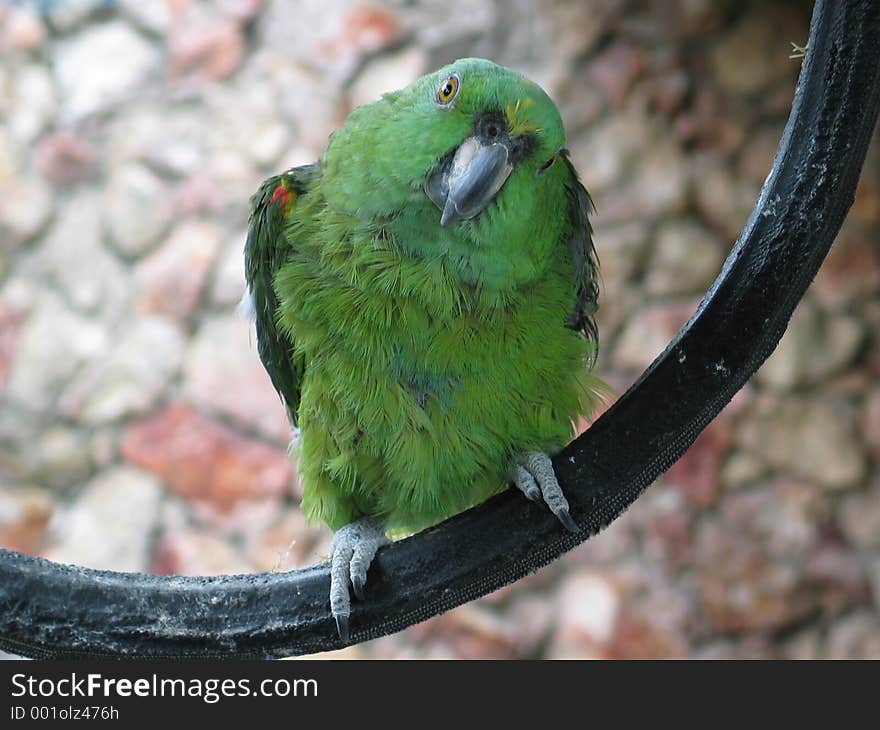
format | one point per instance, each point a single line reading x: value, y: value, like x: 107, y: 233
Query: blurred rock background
x: 138, y: 431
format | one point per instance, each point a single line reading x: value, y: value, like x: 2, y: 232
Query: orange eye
x: 448, y: 90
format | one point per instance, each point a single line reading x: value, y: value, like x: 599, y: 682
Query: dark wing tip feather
x: 266, y: 249
x: 584, y: 258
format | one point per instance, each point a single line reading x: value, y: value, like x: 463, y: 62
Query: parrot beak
x: 470, y: 181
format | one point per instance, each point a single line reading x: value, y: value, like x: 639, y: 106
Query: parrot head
x: 509, y: 123
x: 454, y: 145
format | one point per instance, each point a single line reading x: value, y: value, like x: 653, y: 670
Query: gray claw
x: 566, y: 519
x: 357, y: 584
x: 352, y: 551
x: 342, y: 627
x: 536, y: 479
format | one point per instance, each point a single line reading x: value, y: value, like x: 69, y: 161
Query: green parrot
x: 424, y: 300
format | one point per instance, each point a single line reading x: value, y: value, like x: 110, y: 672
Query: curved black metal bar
x: 48, y: 609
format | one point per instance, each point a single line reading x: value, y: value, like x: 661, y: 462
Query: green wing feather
x: 266, y: 250
x: 586, y: 265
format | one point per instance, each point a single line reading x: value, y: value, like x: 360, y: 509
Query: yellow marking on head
x: 517, y: 120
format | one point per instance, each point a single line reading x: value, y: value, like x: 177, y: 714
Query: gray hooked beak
x: 466, y: 185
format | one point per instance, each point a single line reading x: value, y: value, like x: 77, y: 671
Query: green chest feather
x: 420, y: 387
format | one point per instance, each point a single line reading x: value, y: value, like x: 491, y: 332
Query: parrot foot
x: 352, y: 551
x: 536, y: 479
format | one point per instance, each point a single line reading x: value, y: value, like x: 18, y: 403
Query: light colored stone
x: 661, y: 181
x: 743, y: 60
x: 102, y: 65
x: 589, y: 604
x: 155, y: 17
x: 169, y: 138
x: 856, y: 636
x: 624, y: 248
x: 687, y: 258
x: 443, y: 25
x: 223, y: 374
x: 137, y: 209
x: 307, y: 101
x: 250, y: 120
x: 603, y: 156
x: 110, y: 524
x: 784, y: 519
x: 229, y: 281
x: 741, y: 589
x: 813, y: 438
x: 32, y: 103
x: 170, y: 281
x: 53, y: 344
x: 191, y: 551
x: 26, y: 205
x: 35, y: 450
x: 724, y: 200
x: 813, y: 348
x: 58, y: 457
x: 803, y: 645
x: 741, y: 469
x: 648, y: 332
x: 332, y: 36
x: 12, y: 316
x: 387, y: 73
x: 74, y: 256
x: 859, y: 517
x: 132, y: 378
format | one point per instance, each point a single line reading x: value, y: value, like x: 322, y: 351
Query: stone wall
x: 139, y: 432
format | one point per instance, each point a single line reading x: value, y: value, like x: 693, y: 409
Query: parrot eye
x: 448, y: 90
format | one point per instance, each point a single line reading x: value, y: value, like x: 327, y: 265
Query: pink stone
x: 241, y: 9
x: 171, y: 280
x: 615, y: 71
x: 10, y: 324
x: 364, y: 30
x: 741, y: 589
x: 838, y: 577
x: 205, y: 53
x: 668, y: 537
x: 202, y: 460
x: 696, y: 474
x: 197, y: 552
x: 197, y: 194
x: 223, y: 374
x: 649, y: 331
x: 65, y: 159
x: 21, y: 30
x: 639, y: 638
x: 24, y: 518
